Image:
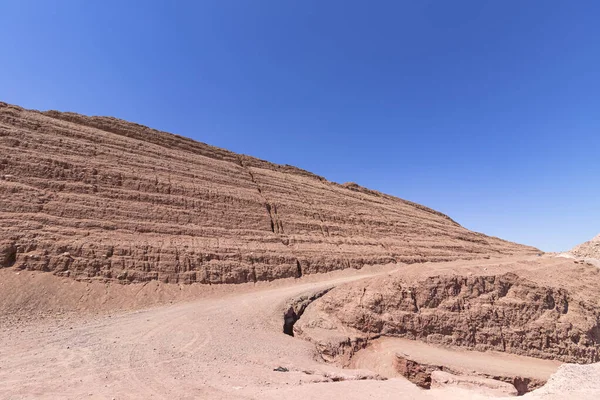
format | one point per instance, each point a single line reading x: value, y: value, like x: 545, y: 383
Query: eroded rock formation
x: 549, y: 311
x: 590, y: 249
x: 431, y: 376
x: 101, y: 198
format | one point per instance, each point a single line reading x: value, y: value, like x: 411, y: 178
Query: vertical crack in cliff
x: 260, y: 192
x: 268, y: 207
x: 413, y: 296
x: 278, y: 222
x: 274, y: 219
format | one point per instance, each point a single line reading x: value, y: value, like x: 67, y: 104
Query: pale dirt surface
x: 379, y: 356
x: 572, y: 381
x: 28, y: 296
x: 222, y: 346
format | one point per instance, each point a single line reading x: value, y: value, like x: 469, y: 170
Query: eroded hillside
x: 545, y: 308
x: 101, y: 198
x: 589, y: 249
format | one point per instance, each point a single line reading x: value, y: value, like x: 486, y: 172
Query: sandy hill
x: 101, y: 198
x: 590, y: 249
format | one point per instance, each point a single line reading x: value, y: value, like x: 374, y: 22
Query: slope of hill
x: 590, y: 249
x: 101, y: 198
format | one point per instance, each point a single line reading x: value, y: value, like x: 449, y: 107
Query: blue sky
x: 488, y: 111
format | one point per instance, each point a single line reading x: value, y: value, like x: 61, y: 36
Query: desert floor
x: 223, y: 343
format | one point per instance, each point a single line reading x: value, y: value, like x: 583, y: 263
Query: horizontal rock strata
x: 101, y: 198
x: 509, y: 312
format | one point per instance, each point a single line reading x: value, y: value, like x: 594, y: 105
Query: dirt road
x: 212, y: 348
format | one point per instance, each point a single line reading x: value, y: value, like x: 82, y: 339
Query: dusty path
x: 212, y: 348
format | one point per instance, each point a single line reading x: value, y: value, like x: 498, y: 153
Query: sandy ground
x: 572, y: 381
x: 593, y: 261
x: 224, y: 346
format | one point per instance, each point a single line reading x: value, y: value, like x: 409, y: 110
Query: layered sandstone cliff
x: 544, y: 308
x: 101, y: 198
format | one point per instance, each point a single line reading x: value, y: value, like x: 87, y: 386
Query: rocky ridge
x: 590, y: 249
x: 545, y: 308
x: 101, y: 198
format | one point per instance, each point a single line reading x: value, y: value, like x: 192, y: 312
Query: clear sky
x: 488, y: 111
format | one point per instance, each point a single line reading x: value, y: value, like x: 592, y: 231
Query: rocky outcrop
x: 509, y: 312
x: 8, y: 253
x: 101, y: 198
x: 430, y: 376
x: 416, y: 372
x: 589, y: 249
